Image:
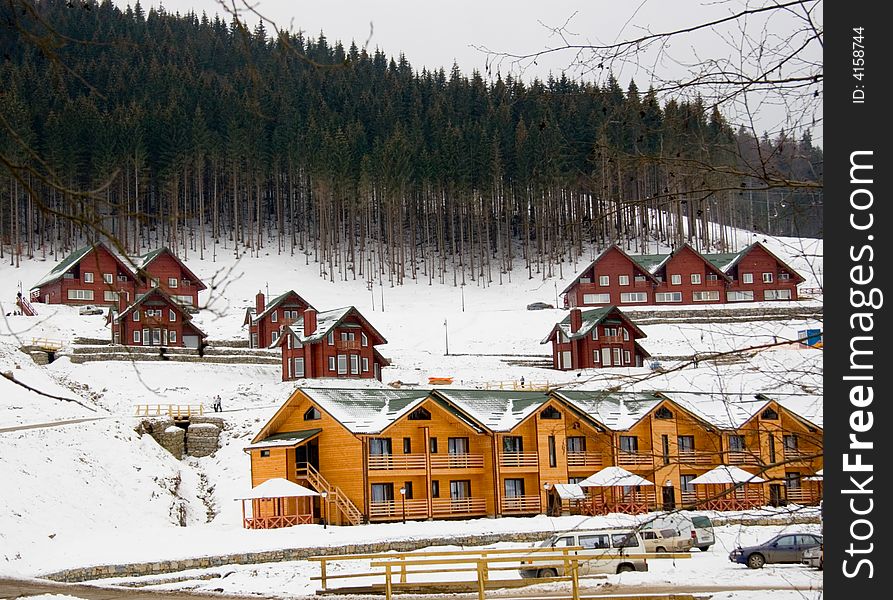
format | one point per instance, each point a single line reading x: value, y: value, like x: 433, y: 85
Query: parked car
x: 815, y: 557
x: 783, y: 548
x: 90, y: 309
x: 539, y: 306
x: 665, y: 540
x: 697, y: 528
x: 622, y: 545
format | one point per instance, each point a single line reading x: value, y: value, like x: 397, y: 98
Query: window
x: 312, y: 414
x: 685, y: 481
x: 771, y: 448
x: 606, y: 357
x: 354, y: 364
x: 626, y: 357
x: 629, y: 444
x: 595, y: 333
x: 512, y: 443
x: 117, y: 337
x: 784, y: 276
x: 576, y: 443
x: 457, y: 445
x: 639, y: 279
x: 407, y: 445
x: 171, y: 315
x: 379, y: 446
x: 696, y: 278
x: 550, y: 413
x: 146, y: 340
x: 382, y: 492
x: 736, y: 443
x: 604, y: 280
x: 768, y: 277
x: 342, y: 364
x: 747, y: 278
x: 665, y: 448
x: 264, y: 453
x: 712, y: 277
x: 407, y: 490
x: 769, y: 415
x: 435, y: 489
x: 172, y: 336
x: 790, y: 443
x: 776, y: 294
x: 274, y: 336
x: 668, y: 296
x: 596, y: 357
x: 253, y: 339
x: 623, y: 279
x: 711, y: 296
x: 676, y: 279
x: 616, y: 352
x: 420, y: 414
x: 330, y: 339
x: 80, y: 294
x: 110, y: 296
x: 108, y: 278
x: 514, y: 488
x: 172, y: 282
x: 154, y: 282
x: 299, y: 367
x: 348, y: 336
x: 663, y: 413
x: 432, y: 445
x: 331, y: 363
x: 274, y: 316
x: 122, y: 277
x: 625, y: 334
x: 88, y: 277
x: 593, y: 542
x: 564, y: 360
x: 136, y: 336
x: 624, y: 540
x: 596, y: 299
x: 686, y: 443
x: 156, y: 337
x: 364, y: 341
x: 792, y: 480
x: 630, y: 297
x: 460, y: 489
x: 745, y: 296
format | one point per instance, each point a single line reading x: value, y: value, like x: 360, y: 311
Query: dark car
x: 539, y: 306
x: 784, y: 548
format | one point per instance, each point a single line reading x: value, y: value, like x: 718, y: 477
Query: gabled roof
x: 274, y: 303
x: 184, y: 316
x: 74, y: 258
x: 591, y: 318
x: 599, y: 257
x: 734, y: 259
x: 366, y: 410
x: 655, y: 265
x: 326, y: 321
x: 617, y: 411
x: 142, y: 262
x: 734, y: 410
x: 497, y: 410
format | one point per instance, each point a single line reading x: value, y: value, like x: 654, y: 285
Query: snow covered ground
x: 94, y: 492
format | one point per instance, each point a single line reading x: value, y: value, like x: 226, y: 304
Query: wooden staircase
x: 335, y: 495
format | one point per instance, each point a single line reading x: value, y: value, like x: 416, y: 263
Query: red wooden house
x: 154, y: 319
x: 162, y: 268
x: 601, y: 337
x: 332, y: 343
x: 89, y: 275
x: 683, y: 277
x: 265, y: 321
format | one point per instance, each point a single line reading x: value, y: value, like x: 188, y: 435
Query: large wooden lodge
x: 383, y: 455
x: 683, y: 277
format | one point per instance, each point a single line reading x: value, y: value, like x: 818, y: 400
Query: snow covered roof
x: 617, y: 411
x: 613, y: 477
x: 326, y: 321
x: 366, y: 410
x: 498, y: 410
x: 569, y: 491
x: 726, y: 474
x: 277, y: 488
x: 275, y: 302
x: 591, y: 318
x: 650, y: 262
x: 727, y: 411
x: 143, y: 261
x: 184, y: 315
x: 724, y: 260
x: 285, y: 439
x: 71, y: 260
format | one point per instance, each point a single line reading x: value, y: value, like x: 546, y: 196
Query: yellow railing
x: 690, y: 457
x: 584, y: 459
x: 518, y: 459
x: 396, y: 462
x: 395, y: 509
x: 516, y: 385
x: 48, y: 344
x: 447, y: 507
x: 175, y: 411
x: 633, y: 458
x: 521, y: 504
x: 457, y: 461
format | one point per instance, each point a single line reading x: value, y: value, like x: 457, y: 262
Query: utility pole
x: 462, y: 289
x: 446, y: 339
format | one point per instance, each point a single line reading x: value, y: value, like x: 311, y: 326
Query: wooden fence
x: 174, y: 411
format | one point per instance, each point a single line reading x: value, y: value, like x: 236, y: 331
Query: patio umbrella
x: 726, y: 474
x: 614, y: 477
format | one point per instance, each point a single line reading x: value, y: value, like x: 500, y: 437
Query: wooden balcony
x: 457, y: 461
x: 642, y: 285
x: 577, y: 460
x: 347, y: 344
x: 611, y: 339
x: 457, y: 507
x: 689, y: 499
x: 742, y: 457
x: 275, y: 522
x: 633, y: 458
x: 797, y: 455
x: 521, y: 505
x: 802, y: 495
x: 519, y: 459
x: 691, y: 457
x: 391, y: 510
x: 396, y: 462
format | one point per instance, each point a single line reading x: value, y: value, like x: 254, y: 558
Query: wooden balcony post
x: 388, y: 591
x: 481, y: 586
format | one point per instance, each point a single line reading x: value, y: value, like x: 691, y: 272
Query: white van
x: 665, y: 540
x: 624, y: 545
x: 697, y: 528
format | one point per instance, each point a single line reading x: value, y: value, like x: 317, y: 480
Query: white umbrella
x: 726, y: 474
x: 278, y: 488
x: 612, y: 477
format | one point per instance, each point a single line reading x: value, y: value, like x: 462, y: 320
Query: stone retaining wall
x: 172, y: 566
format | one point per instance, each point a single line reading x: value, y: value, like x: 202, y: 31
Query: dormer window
x: 312, y: 414
x: 550, y: 413
x: 769, y: 415
x: 420, y: 414
x: 663, y: 413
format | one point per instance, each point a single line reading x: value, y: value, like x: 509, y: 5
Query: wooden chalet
x: 154, y: 319
x: 163, y: 269
x: 683, y: 277
x: 600, y: 337
x: 265, y: 321
x: 385, y: 455
x: 332, y: 343
x: 91, y: 274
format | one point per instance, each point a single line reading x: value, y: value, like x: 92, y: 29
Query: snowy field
x: 94, y: 492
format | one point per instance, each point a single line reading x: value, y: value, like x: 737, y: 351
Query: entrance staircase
x: 335, y: 496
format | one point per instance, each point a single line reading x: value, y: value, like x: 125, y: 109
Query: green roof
x: 144, y: 259
x: 722, y: 260
x: 285, y: 438
x: 498, y: 410
x: 649, y: 262
x: 591, y: 318
x: 60, y: 269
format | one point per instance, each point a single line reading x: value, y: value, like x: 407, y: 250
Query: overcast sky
x: 436, y: 34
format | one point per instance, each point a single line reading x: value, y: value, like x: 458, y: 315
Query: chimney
x: 309, y: 321
x: 259, y: 303
x: 576, y: 320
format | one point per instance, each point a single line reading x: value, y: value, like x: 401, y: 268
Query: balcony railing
x: 396, y: 462
x: 446, y: 507
x: 691, y: 457
x: 347, y: 344
x: 689, y: 498
x: 633, y: 458
x: 802, y: 495
x: 795, y: 454
x: 518, y: 459
x: 611, y: 339
x: 584, y: 459
x: 275, y: 522
x: 389, y: 510
x: 521, y: 504
x: 457, y: 461
x: 641, y: 284
x: 742, y: 457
